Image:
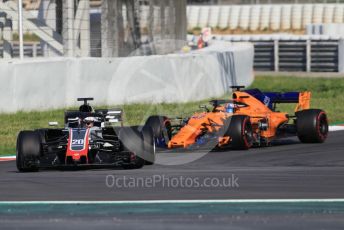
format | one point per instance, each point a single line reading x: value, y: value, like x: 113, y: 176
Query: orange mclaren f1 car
x: 248, y: 119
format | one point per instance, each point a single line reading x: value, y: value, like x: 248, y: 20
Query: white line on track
x: 227, y: 201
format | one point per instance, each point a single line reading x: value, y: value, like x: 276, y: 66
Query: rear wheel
x: 161, y: 127
x: 28, y: 151
x: 312, y: 126
x: 132, y: 142
x: 239, y: 129
x: 148, y: 145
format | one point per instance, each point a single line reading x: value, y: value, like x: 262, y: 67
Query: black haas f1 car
x: 89, y: 138
x: 248, y: 119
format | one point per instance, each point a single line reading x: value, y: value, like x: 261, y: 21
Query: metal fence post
x: 68, y: 28
x: 85, y: 35
x: 34, y: 50
x: 308, y: 55
x: 276, y: 54
x: 20, y: 28
x: 341, y: 55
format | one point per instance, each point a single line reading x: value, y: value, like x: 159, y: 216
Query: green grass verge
x: 327, y: 94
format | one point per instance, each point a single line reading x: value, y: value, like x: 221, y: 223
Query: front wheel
x: 239, y: 129
x: 312, y: 126
x: 28, y: 151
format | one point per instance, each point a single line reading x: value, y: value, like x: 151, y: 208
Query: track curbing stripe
x: 334, y: 128
x: 7, y: 158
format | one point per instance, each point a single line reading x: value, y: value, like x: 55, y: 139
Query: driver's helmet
x: 89, y: 121
x: 229, y: 108
x: 86, y: 108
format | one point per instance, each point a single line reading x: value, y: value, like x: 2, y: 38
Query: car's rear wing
x: 270, y: 99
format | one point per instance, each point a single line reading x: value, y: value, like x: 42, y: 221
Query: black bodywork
x: 106, y: 143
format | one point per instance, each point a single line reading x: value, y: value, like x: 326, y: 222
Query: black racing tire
x: 312, y: 126
x: 239, y: 128
x: 161, y: 127
x: 28, y: 151
x: 132, y: 141
x: 148, y: 145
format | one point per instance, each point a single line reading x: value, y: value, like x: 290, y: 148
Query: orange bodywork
x: 256, y: 110
x: 304, y: 101
x: 187, y: 135
x: 213, y: 121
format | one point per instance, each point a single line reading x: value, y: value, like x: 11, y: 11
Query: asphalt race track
x: 288, y: 170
